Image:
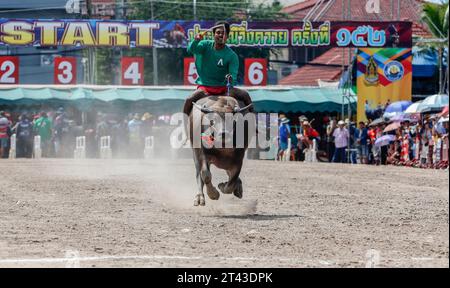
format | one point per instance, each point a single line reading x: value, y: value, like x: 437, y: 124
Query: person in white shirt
x: 340, y: 141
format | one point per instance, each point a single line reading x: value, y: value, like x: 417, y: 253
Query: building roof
x: 333, y: 10
x: 327, y: 67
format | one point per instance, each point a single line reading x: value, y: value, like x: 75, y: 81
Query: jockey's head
x: 221, y: 29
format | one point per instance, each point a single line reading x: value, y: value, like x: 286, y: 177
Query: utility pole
x: 117, y: 51
x: 91, y: 57
x: 195, y: 9
x: 154, y: 52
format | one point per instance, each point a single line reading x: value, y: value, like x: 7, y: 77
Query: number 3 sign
x: 255, y: 72
x: 132, y: 71
x: 9, y: 70
x: 65, y: 70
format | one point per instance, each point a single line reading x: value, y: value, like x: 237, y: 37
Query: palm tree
x: 436, y: 17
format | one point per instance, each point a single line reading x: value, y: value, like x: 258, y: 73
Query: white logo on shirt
x: 220, y: 63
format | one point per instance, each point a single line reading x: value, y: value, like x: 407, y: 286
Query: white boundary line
x: 167, y: 257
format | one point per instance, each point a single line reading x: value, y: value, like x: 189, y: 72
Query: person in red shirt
x: 309, y: 134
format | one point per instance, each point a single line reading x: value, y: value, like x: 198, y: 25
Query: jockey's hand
x: 229, y: 78
x: 200, y: 36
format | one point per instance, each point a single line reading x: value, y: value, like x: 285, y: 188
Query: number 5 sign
x: 65, y: 70
x: 132, y: 71
x: 190, y: 71
x: 9, y: 70
x: 255, y: 72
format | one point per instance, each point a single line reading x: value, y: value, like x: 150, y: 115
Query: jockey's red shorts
x: 214, y: 90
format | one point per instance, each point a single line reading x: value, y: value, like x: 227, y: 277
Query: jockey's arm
x: 197, y: 46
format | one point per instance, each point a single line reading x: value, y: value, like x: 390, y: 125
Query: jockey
x: 216, y: 65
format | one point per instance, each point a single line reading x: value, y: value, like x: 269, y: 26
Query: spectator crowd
x: 420, y: 141
x: 58, y: 130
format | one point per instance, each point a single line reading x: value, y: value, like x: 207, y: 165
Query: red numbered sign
x: 9, y: 70
x: 65, y: 70
x: 132, y: 71
x: 255, y: 72
x: 190, y: 71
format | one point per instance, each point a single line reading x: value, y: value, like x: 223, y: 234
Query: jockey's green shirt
x: 212, y: 65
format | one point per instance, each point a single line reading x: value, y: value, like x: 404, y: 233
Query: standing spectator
x: 361, y: 137
x: 43, y: 128
x: 5, y: 133
x: 330, y: 139
x: 284, y: 134
x: 301, y: 146
x: 24, y: 140
x: 351, y: 130
x: 147, y: 124
x: 61, y: 129
x: 135, y: 136
x: 341, y: 141
x: 372, y: 135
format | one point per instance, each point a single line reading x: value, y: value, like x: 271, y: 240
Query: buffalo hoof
x: 222, y: 187
x: 213, y: 194
x: 238, y: 192
x: 199, y: 200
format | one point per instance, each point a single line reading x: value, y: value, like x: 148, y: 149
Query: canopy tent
x: 425, y: 62
x: 171, y: 98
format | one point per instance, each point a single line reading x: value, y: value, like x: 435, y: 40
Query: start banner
x: 177, y: 34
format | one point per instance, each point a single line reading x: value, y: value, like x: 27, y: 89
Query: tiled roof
x: 309, y: 74
x: 326, y: 67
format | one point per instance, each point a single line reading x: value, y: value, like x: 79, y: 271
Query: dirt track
x: 130, y: 213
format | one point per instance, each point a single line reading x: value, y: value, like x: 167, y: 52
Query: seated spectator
x: 309, y: 135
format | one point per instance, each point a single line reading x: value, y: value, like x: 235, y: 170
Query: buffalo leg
x: 234, y: 184
x: 212, y: 192
x: 199, y: 197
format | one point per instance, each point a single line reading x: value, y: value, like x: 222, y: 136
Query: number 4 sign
x: 65, y: 70
x: 9, y: 70
x: 132, y: 71
x: 255, y: 72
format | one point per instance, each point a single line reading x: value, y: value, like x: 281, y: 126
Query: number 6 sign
x: 132, y: 71
x: 65, y: 70
x: 9, y: 70
x: 255, y: 72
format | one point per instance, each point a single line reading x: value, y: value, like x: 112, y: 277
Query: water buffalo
x: 221, y: 146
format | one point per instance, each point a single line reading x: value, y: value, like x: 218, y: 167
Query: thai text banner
x: 177, y: 34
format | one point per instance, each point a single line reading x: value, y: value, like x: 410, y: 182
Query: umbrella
x: 404, y: 117
x: 444, y: 111
x: 434, y: 103
x: 393, y: 126
x: 377, y: 122
x: 384, y: 140
x: 413, y: 108
x: 398, y: 107
x: 443, y: 120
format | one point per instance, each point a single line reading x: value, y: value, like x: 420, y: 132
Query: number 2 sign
x: 65, y: 70
x: 132, y: 71
x: 9, y: 70
x: 255, y: 72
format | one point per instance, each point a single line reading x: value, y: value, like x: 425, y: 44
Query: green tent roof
x: 171, y: 99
